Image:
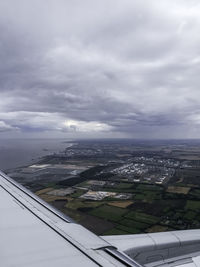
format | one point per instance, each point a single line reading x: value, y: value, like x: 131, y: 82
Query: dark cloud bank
x: 109, y: 68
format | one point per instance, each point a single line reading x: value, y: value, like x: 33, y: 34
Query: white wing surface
x: 32, y: 233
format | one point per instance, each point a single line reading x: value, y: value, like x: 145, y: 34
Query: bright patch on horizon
x: 82, y: 126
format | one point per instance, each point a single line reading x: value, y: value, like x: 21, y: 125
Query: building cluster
x: 158, y: 161
x: 144, y: 172
x: 99, y: 195
x: 76, y: 152
x: 131, y: 168
x: 61, y: 192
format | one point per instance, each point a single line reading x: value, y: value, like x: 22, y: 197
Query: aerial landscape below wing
x: 35, y: 234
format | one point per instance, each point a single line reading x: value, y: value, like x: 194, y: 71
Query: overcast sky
x: 100, y: 68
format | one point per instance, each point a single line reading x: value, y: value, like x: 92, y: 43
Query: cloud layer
x: 109, y: 68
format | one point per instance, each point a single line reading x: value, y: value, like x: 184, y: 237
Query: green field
x: 148, y: 196
x: 195, y: 193
x: 189, y: 215
x: 130, y: 230
x: 77, y: 193
x: 77, y: 204
x: 124, y: 186
x: 149, y: 187
x: 134, y: 224
x: 192, y: 205
x: 115, y: 231
x: 142, y: 217
x: 109, y: 212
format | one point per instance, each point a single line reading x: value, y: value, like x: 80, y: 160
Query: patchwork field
x: 120, y: 204
x: 178, y: 190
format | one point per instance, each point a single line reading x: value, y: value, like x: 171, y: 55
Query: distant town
x: 121, y: 186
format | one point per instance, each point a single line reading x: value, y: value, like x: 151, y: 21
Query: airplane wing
x: 32, y: 233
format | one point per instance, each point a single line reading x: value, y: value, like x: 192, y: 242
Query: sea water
x: 19, y: 152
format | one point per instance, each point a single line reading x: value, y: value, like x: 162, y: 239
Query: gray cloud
x: 100, y: 68
x: 4, y: 127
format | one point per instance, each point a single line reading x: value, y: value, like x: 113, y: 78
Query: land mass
x: 121, y: 186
